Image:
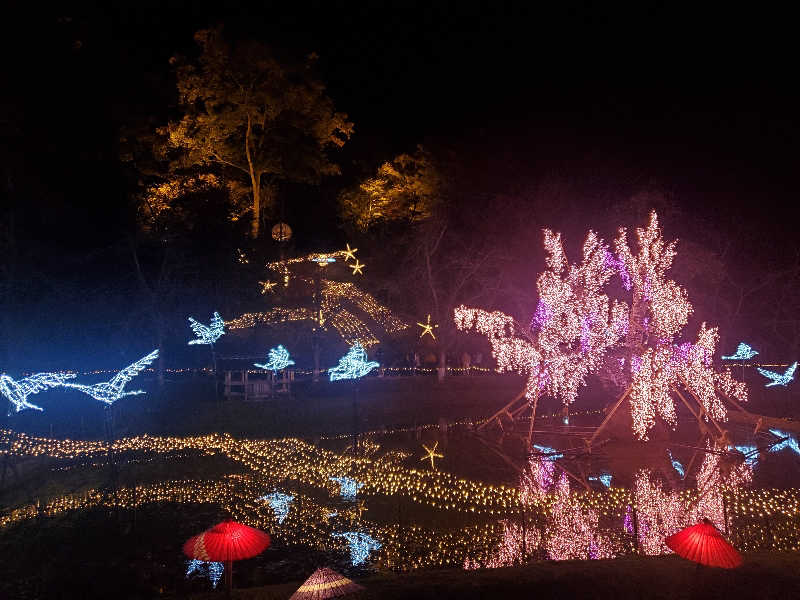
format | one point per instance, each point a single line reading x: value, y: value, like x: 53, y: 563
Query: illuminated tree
x: 406, y: 188
x: 252, y: 117
x: 577, y: 330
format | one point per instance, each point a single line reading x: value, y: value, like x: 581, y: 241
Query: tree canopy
x: 254, y: 119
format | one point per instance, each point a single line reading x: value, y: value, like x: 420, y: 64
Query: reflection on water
x: 288, y: 491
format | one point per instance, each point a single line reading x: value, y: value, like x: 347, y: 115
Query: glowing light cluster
x: 114, y: 389
x: 348, y: 487
x: 278, y: 360
x: 676, y: 464
x: 361, y: 545
x: 777, y: 378
x: 271, y: 317
x: 17, y: 392
x: 279, y: 503
x: 210, y: 569
x: 207, y: 334
x: 743, y: 352
x: 352, y: 365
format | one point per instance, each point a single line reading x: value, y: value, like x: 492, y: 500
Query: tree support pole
x: 503, y: 411
x: 533, y: 419
x: 608, y: 417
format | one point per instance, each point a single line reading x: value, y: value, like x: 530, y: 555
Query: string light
x: 279, y: 503
x: 352, y: 365
x: 350, y: 253
x: 431, y: 454
x: 787, y: 441
x: 427, y: 328
x: 605, y: 479
x: 211, y: 569
x: 17, y: 392
x: 357, y: 268
x: 267, y: 286
x: 207, y: 334
x: 743, y: 352
x: 778, y: 379
x: 361, y: 545
x: 112, y: 390
x: 278, y: 360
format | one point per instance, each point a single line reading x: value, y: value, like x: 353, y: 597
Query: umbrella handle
x: 229, y: 576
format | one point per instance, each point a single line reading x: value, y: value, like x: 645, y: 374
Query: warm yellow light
x: 432, y: 454
x: 357, y: 266
x: 350, y: 253
x: 427, y: 328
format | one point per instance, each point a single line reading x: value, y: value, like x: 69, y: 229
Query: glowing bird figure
x: 788, y: 441
x: 348, y: 488
x: 350, y: 253
x: 361, y: 545
x: 352, y: 365
x: 212, y: 570
x: 777, y: 378
x: 605, y: 479
x: 743, y: 352
x: 207, y: 334
x: 357, y: 266
x: 677, y: 465
x: 112, y: 390
x: 548, y: 452
x: 431, y: 454
x: 427, y: 328
x: 278, y: 360
x: 17, y: 392
x: 279, y: 503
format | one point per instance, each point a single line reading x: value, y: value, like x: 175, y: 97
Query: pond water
x: 482, y: 503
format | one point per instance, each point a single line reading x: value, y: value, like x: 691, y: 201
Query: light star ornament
x: 743, y: 352
x: 112, y: 390
x: 427, y: 328
x: 267, y: 286
x: 278, y: 360
x: 352, y: 365
x: 207, y: 334
x: 17, y: 392
x: 350, y: 253
x: 357, y: 266
x: 431, y: 454
x: 777, y: 378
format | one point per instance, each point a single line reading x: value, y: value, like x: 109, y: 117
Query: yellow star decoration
x: 350, y: 253
x: 431, y: 454
x: 357, y: 268
x: 266, y: 286
x: 427, y: 328
x: 361, y: 508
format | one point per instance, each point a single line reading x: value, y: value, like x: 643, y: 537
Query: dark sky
x: 703, y: 101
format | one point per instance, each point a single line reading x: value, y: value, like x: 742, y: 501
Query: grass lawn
x: 762, y: 576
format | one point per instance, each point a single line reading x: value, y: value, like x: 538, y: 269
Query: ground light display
x: 437, y: 300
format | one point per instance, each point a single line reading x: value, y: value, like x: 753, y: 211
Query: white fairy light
x: 361, y: 545
x: 112, y: 390
x: 777, y: 378
x: 211, y: 569
x: 743, y: 352
x: 18, y: 391
x: 279, y: 503
x: 207, y: 334
x: 348, y: 487
x: 278, y: 360
x: 352, y: 365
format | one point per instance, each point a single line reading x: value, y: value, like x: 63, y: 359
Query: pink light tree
x: 577, y: 330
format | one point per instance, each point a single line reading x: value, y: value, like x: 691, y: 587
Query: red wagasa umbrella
x: 226, y: 542
x: 704, y: 544
x: 325, y: 583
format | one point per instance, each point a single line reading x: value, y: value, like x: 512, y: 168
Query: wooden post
x: 608, y: 416
x: 504, y: 410
x: 533, y: 419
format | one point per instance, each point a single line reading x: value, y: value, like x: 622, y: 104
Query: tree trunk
x: 255, y: 181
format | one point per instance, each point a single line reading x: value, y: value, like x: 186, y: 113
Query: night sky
x: 700, y: 103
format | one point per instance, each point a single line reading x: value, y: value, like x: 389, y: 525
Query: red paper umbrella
x: 226, y: 542
x: 325, y: 583
x: 704, y: 544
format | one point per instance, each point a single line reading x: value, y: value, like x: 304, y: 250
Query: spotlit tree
x: 256, y: 119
